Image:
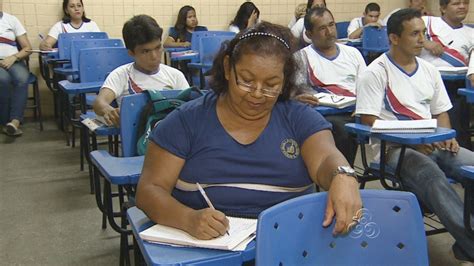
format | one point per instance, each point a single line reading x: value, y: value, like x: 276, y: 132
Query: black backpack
x: 157, y: 108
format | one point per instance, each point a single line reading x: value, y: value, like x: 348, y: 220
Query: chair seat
x: 157, y: 254
x: 118, y: 170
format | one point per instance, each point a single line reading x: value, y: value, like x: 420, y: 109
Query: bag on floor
x: 157, y: 108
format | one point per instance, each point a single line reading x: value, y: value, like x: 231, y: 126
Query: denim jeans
x: 13, y: 92
x: 425, y: 176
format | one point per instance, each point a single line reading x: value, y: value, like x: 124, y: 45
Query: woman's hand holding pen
x: 207, y: 223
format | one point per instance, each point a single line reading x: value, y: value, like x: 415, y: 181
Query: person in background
x: 300, y: 11
x: 449, y: 44
x: 246, y: 143
x: 246, y: 17
x: 142, y: 37
x: 397, y: 86
x: 298, y: 29
x: 327, y: 66
x: 180, y: 35
x: 419, y: 5
x: 13, y: 73
x: 74, y: 20
x: 370, y: 18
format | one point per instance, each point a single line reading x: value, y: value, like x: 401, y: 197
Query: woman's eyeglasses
x: 248, y: 87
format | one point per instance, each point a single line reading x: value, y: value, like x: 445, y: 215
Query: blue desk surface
x: 118, y: 170
x: 156, y: 254
x: 468, y: 172
x: 103, y: 130
x: 403, y: 138
x: 326, y: 110
x: 469, y: 93
x: 451, y: 77
x: 80, y: 87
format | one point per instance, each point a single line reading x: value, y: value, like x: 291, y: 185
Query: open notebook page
x: 239, y: 231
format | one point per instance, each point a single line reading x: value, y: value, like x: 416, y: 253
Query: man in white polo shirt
x: 449, y: 44
x: 142, y: 36
x: 399, y: 86
x: 327, y: 66
x: 370, y: 18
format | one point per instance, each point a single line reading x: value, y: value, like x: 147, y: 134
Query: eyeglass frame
x: 249, y: 88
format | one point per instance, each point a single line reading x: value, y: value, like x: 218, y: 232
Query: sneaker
x: 11, y: 130
x: 462, y: 258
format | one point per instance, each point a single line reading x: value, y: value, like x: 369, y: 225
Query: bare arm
x: 433, y: 47
x: 159, y: 176
x: 47, y: 44
x: 171, y: 43
x: 103, y: 108
x: 322, y: 158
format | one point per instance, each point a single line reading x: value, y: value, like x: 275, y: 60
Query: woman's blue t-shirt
x: 173, y: 33
x: 193, y: 132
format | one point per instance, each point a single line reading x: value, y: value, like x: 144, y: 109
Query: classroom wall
x: 39, y: 15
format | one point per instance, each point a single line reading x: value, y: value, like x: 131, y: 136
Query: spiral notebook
x: 404, y: 126
x: 241, y: 232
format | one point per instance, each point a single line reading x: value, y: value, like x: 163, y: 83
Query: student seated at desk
x: 246, y: 143
x: 370, y: 18
x: 74, y: 20
x: 186, y: 23
x: 416, y: 4
x: 246, y: 17
x: 13, y: 73
x: 142, y: 37
x: 398, y: 86
x: 327, y: 66
x: 450, y: 44
x: 298, y: 29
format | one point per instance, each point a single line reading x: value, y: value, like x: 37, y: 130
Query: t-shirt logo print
x: 290, y: 148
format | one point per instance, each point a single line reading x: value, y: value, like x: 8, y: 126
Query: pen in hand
x: 204, y: 195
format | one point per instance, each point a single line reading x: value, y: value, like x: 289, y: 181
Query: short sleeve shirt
x: 61, y: 27
x: 173, y: 33
x: 10, y: 29
x: 193, y: 132
x: 126, y: 80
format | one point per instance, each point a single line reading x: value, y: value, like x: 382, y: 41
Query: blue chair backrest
x: 130, y: 112
x: 77, y: 45
x: 97, y: 63
x: 197, y: 35
x: 375, y: 38
x: 391, y: 231
x: 210, y: 46
x: 341, y: 28
x: 65, y: 39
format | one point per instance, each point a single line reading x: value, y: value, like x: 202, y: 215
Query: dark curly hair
x: 258, y: 45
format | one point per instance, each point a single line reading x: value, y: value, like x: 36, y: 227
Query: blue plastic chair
x: 123, y: 172
x: 208, y: 48
x: 342, y: 29
x: 65, y: 40
x: 390, y: 232
x: 374, y: 40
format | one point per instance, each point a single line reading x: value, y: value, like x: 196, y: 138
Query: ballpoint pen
x: 204, y: 195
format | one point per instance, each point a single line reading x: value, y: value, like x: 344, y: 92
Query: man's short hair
x: 444, y: 3
x: 371, y: 7
x: 395, y: 22
x: 139, y: 30
x: 316, y: 12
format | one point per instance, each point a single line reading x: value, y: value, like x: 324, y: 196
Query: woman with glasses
x: 246, y: 143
